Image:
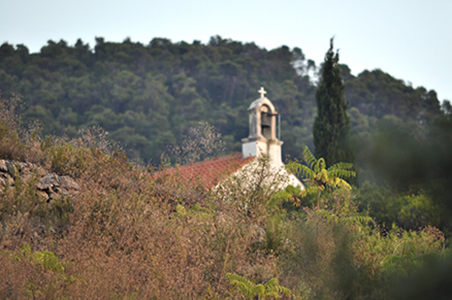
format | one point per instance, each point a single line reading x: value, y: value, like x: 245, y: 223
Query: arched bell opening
x: 266, y: 122
x: 262, y: 131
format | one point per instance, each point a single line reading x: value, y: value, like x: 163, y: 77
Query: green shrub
x: 409, y: 211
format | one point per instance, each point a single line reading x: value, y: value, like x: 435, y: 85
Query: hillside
x: 80, y: 220
x: 147, y: 96
x: 124, y: 233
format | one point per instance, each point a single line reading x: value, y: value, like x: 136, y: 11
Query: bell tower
x: 262, y: 131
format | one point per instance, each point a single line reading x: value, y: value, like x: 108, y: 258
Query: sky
x: 410, y: 40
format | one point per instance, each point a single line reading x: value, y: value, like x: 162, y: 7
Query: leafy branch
x: 318, y: 177
x: 269, y: 290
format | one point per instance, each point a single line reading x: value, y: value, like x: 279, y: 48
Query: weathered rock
x: 13, y: 168
x: 3, y: 167
x: 69, y: 183
x: 43, y: 195
x: 38, y: 171
x: 55, y: 186
x: 48, y: 182
x: 25, y: 175
x: 8, y: 179
x: 50, y: 185
x: 68, y: 186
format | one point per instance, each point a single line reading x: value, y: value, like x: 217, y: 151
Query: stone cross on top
x: 262, y: 92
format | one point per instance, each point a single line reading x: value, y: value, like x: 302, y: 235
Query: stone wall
x: 48, y: 185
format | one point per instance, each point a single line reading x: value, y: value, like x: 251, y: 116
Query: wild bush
x: 41, y: 275
x: 340, y: 253
x: 134, y: 233
x: 409, y: 211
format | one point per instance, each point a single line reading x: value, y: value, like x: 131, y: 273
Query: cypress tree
x: 332, y: 123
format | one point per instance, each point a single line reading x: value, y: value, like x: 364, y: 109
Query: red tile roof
x: 210, y: 172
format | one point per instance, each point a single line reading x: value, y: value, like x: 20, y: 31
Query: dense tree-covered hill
x: 146, y: 96
x: 377, y: 241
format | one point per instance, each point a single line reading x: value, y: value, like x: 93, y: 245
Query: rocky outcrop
x: 48, y: 185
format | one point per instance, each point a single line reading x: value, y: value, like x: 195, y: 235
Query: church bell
x: 266, y: 119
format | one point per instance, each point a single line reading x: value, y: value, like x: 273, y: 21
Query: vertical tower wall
x: 262, y: 132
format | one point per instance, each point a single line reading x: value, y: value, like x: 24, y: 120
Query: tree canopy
x: 378, y: 241
x: 148, y: 96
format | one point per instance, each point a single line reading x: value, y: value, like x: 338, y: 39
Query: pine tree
x: 332, y: 124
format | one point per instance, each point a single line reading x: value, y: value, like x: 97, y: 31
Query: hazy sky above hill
x: 411, y: 40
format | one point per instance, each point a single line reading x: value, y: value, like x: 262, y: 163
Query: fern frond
x: 300, y: 169
x: 361, y: 220
x: 47, y: 260
x: 244, y: 285
x: 283, y: 290
x: 258, y: 290
x: 309, y: 158
x: 271, y: 283
x: 271, y: 289
x: 341, y: 166
x: 322, y: 176
x: 306, y: 172
x: 339, y: 183
x: 292, y: 167
x: 308, y: 191
x: 321, y: 164
x: 274, y: 290
x: 342, y: 173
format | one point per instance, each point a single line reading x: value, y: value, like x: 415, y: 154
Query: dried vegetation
x: 131, y: 235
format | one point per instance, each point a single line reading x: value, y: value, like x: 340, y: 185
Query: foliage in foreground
x: 270, y: 289
x: 320, y: 178
x: 135, y: 234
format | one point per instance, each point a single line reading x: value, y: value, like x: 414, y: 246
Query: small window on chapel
x: 266, y: 122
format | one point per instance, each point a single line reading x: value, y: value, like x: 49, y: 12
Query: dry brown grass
x: 131, y: 235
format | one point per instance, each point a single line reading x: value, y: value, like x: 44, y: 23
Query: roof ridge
x: 219, y: 158
x: 211, y: 171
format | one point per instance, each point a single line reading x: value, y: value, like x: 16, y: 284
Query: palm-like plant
x: 269, y: 290
x: 318, y: 177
